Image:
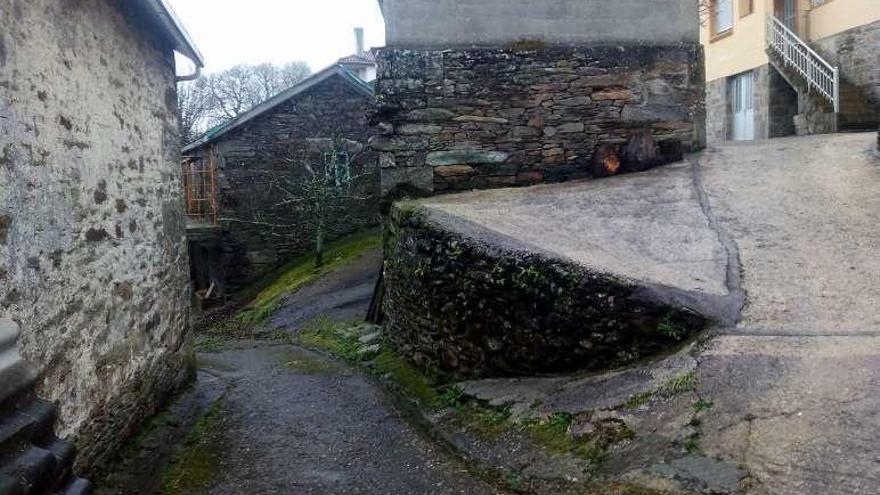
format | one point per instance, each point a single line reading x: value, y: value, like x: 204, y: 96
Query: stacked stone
x: 254, y: 156
x: 32, y: 459
x: 522, y: 115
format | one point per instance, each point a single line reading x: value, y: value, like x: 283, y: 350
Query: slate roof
x: 350, y: 77
x: 366, y: 58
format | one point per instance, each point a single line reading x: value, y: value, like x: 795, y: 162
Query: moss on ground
x: 674, y: 386
x: 302, y: 271
x: 413, y: 381
x: 197, y: 466
x: 331, y: 336
x: 428, y: 389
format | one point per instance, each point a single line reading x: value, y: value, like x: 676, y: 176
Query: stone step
x: 64, y: 453
x: 32, y: 470
x: 30, y: 424
x: 8, y: 486
x: 77, y: 486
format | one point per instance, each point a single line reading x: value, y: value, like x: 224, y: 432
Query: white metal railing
x: 818, y: 73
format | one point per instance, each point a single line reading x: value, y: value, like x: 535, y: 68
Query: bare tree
x: 215, y: 98
x: 196, y: 107
x: 319, y: 189
x: 705, y: 9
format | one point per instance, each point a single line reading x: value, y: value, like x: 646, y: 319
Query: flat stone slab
x: 649, y: 228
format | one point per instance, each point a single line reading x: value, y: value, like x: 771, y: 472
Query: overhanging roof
x: 172, y: 29
x: 347, y: 75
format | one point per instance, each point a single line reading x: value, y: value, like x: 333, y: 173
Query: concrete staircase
x: 827, y: 101
x: 856, y: 113
x: 33, y: 461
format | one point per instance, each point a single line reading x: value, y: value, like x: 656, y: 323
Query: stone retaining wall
x: 528, y: 113
x: 470, y: 309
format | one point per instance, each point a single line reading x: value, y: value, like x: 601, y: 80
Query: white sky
x: 318, y: 32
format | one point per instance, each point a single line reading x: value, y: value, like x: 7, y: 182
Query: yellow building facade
x: 784, y: 67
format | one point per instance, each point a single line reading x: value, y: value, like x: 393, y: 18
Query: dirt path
x: 295, y: 422
x: 342, y: 295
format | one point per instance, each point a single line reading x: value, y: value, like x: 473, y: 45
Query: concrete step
x: 857, y: 112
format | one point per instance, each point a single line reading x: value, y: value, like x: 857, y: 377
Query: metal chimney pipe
x: 359, y: 39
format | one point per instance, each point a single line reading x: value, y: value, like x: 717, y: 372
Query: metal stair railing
x: 819, y: 74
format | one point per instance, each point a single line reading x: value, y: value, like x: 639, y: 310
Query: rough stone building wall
x: 256, y: 155
x: 455, y: 119
x: 775, y: 101
x: 93, y: 262
x: 856, y: 52
x: 717, y: 111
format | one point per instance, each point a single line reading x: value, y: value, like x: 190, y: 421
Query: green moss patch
x: 197, y: 466
x: 413, y: 381
x: 331, y: 336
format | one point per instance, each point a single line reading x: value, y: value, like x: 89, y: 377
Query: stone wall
x: 783, y: 105
x: 856, y: 52
x: 528, y: 113
x: 93, y: 261
x: 775, y: 104
x: 470, y: 308
x: 257, y: 157
x: 718, y: 113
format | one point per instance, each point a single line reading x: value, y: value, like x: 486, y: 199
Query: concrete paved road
x: 805, y: 216
x: 788, y: 228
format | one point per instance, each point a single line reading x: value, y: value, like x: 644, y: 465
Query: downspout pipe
x: 190, y: 77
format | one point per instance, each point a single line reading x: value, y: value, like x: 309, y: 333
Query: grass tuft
x: 679, y: 385
x: 331, y: 336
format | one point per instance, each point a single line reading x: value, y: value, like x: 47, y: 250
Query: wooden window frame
x: 713, y: 23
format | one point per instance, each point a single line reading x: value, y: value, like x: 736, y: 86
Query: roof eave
x: 173, y: 28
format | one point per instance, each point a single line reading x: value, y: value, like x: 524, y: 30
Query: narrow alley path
x: 296, y: 422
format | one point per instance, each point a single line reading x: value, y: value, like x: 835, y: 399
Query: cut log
x: 640, y: 152
x: 606, y: 161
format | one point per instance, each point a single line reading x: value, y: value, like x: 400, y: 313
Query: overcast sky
x: 318, y: 32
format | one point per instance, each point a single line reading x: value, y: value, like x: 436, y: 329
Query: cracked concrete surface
x: 786, y: 231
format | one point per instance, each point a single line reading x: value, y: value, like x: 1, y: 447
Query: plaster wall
x: 428, y: 23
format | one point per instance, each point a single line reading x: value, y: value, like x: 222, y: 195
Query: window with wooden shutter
x: 746, y: 7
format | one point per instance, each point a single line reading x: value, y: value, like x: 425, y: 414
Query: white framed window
x: 722, y: 17
x: 337, y: 166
